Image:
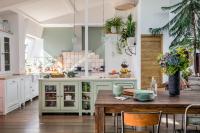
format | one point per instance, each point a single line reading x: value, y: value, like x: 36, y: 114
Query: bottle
x: 154, y: 86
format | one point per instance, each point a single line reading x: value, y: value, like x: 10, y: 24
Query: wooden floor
x: 27, y: 120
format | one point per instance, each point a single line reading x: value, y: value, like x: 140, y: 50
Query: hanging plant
x: 114, y: 25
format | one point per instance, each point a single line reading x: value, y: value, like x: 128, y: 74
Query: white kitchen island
x: 75, y: 95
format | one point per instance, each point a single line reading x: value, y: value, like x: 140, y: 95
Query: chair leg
x: 174, y: 123
x: 167, y: 120
x: 116, y: 123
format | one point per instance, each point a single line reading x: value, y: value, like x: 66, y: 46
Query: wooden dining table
x: 107, y: 103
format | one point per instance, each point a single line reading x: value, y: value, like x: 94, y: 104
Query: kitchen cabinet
x: 107, y: 85
x: 27, y: 88
x: 86, y: 89
x: 76, y: 95
x: 15, y: 91
x: 5, y: 52
x: 59, y: 97
x: 12, y: 94
x: 69, y: 96
x: 51, y: 96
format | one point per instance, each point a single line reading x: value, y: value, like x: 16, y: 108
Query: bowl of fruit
x: 114, y: 74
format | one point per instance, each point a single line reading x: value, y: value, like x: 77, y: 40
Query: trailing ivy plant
x: 184, y: 26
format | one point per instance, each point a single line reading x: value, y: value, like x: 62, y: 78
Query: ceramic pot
x: 117, y: 90
x: 130, y: 41
x: 174, y: 84
x: 113, y: 30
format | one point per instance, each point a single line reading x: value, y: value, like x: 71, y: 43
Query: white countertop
x: 86, y: 78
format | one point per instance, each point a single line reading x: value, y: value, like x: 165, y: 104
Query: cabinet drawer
x: 126, y: 84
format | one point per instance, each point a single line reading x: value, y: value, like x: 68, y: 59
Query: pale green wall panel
x: 57, y: 39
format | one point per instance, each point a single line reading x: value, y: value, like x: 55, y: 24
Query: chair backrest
x: 186, y: 115
x: 141, y: 119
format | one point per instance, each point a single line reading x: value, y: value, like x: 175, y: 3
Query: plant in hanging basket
x: 114, y: 25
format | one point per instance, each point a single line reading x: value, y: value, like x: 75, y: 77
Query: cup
x: 117, y: 90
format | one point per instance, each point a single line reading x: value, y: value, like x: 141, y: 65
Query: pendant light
x: 103, y: 19
x: 74, y: 38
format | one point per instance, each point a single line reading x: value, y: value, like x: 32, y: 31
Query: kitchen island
x: 75, y: 95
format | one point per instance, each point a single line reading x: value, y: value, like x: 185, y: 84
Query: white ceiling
x: 55, y: 12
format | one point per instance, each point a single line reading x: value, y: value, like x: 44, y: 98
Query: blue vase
x: 174, y: 84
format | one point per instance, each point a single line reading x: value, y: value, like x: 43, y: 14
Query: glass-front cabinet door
x: 6, y: 54
x: 51, y: 96
x: 69, y: 97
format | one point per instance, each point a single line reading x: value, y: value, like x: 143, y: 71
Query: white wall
x: 150, y: 15
x: 20, y: 26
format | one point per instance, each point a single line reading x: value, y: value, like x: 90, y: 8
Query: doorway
x: 151, y: 47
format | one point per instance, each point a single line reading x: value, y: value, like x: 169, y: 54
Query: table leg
x: 99, y: 120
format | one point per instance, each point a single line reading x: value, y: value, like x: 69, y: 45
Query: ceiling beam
x: 26, y: 15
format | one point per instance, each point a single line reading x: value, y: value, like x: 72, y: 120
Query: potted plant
x: 113, y: 25
x: 128, y: 31
x: 184, y: 26
x: 173, y: 63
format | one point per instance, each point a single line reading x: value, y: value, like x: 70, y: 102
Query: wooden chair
x: 141, y: 120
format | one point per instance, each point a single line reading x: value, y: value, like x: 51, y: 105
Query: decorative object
x: 174, y: 84
x: 117, y: 90
x: 173, y: 63
x: 57, y: 75
x: 125, y: 72
x: 144, y: 95
x: 184, y: 26
x: 6, y: 26
x: 71, y: 74
x: 114, y: 25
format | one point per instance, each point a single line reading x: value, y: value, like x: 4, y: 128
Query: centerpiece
x: 173, y: 63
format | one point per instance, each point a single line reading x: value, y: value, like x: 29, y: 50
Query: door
x: 69, y: 96
x: 51, y: 96
x: 151, y: 47
x: 27, y: 88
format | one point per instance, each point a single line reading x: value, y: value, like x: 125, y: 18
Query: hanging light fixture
x: 103, y: 19
x: 74, y: 38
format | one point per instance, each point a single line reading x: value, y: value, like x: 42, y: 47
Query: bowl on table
x: 144, y: 95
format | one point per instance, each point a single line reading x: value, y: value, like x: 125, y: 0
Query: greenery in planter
x: 174, y: 61
x: 116, y: 22
x: 184, y: 26
x: 128, y: 29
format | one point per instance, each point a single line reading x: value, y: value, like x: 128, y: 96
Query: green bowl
x: 144, y: 95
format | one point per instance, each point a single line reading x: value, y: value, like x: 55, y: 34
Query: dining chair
x: 141, y: 119
x: 193, y: 120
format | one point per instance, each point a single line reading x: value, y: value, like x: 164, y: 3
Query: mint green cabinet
x: 86, y: 96
x: 69, y: 96
x: 75, y: 96
x: 50, y: 96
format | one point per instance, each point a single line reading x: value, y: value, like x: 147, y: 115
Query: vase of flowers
x: 173, y: 63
